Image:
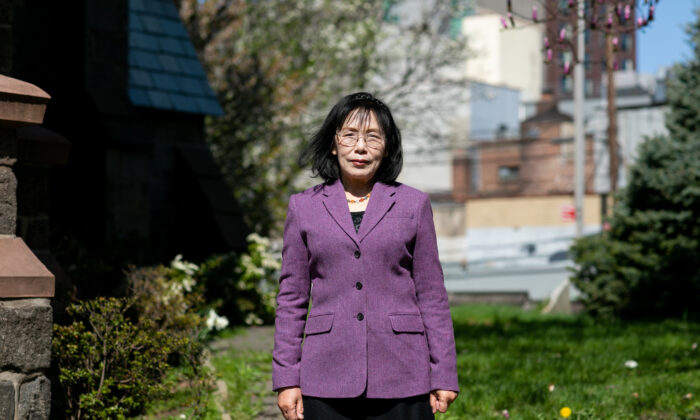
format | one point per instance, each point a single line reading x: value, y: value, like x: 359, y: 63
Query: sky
x: 665, y: 42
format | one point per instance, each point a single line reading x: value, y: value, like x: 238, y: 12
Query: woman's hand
x: 440, y: 399
x: 289, y: 401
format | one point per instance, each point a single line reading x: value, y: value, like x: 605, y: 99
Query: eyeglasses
x: 349, y: 138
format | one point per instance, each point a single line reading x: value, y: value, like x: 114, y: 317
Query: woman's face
x: 360, y: 147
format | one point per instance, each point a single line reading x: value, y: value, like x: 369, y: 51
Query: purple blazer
x: 379, y: 316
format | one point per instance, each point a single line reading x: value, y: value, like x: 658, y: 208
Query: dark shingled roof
x: 164, y: 71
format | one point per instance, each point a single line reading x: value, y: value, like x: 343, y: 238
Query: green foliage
x: 114, y: 356
x: 109, y: 365
x: 244, y: 287
x: 684, y: 90
x: 647, y: 265
x: 277, y: 67
x: 273, y: 65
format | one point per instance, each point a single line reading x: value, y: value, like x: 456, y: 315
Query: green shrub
x: 113, y: 358
x: 109, y: 366
x: 244, y: 287
x: 647, y: 265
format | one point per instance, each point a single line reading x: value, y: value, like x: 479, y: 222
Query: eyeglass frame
x: 374, y: 144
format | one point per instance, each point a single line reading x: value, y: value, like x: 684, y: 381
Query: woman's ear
x: 333, y: 149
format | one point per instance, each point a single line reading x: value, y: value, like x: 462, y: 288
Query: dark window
x: 508, y: 173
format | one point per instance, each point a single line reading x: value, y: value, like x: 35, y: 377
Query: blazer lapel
x: 381, y: 200
x: 336, y: 203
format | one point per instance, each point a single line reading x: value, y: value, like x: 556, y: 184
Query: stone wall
x: 25, y: 353
x: 26, y: 318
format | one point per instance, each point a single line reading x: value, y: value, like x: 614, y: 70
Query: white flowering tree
x: 277, y: 67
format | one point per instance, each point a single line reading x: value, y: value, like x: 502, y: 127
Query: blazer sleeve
x: 292, y: 303
x: 432, y: 301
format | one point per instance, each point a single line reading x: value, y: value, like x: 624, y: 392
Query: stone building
x: 101, y: 144
x: 129, y: 98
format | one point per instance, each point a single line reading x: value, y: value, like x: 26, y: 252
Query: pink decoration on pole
x: 567, y: 67
x: 546, y: 42
x: 651, y: 13
x: 615, y: 42
x: 640, y: 22
x: 571, y: 3
x: 534, y: 13
x: 562, y: 34
x: 610, y: 20
x: 628, y: 12
x: 503, y: 22
x: 549, y: 54
x: 616, y: 65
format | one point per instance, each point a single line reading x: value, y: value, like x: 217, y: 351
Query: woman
x: 378, y: 341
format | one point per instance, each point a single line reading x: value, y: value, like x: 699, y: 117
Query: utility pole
x: 612, y: 110
x: 579, y: 139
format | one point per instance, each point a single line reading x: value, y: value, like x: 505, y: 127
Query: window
x: 508, y: 173
x: 565, y: 84
x: 589, y: 87
x: 625, y: 42
x: 628, y: 64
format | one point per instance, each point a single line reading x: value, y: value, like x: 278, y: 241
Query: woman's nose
x: 361, y: 144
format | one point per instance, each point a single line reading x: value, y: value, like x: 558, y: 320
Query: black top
x: 357, y: 219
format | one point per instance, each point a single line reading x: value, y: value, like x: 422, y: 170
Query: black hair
x: 318, y: 151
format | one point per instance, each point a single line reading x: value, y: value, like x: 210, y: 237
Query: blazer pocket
x: 318, y: 324
x: 407, y: 323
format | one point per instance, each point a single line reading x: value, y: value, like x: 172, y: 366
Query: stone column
x: 26, y: 286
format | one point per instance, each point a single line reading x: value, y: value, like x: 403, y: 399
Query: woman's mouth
x: 359, y: 162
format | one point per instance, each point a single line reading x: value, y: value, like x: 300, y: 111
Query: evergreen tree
x: 684, y: 91
x: 648, y: 264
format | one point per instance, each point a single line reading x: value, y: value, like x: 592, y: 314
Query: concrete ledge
x: 21, y: 103
x: 21, y: 273
x: 518, y: 298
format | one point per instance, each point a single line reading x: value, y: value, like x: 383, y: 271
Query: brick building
x: 594, y: 65
x: 539, y: 163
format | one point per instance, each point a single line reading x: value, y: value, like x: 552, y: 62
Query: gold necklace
x: 359, y: 200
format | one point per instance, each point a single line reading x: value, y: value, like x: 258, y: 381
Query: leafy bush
x: 113, y: 358
x: 244, y: 287
x: 647, y: 264
x: 109, y: 365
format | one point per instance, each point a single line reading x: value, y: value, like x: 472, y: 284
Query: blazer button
x: 358, y: 285
x: 360, y: 317
x: 357, y: 254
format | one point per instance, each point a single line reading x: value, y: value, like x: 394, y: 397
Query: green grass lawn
x: 508, y: 359
x: 533, y: 365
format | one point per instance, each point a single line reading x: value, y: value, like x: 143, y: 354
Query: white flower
x: 221, y: 322
x: 182, y: 416
x: 184, y: 266
x: 188, y: 283
x: 216, y: 322
x: 631, y: 364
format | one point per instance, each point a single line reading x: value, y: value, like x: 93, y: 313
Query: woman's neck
x: 357, y: 188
